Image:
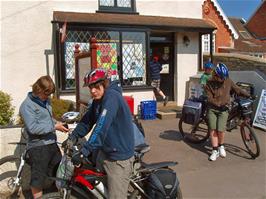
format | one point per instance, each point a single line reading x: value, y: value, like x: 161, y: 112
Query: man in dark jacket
x: 155, y: 69
x: 113, y: 132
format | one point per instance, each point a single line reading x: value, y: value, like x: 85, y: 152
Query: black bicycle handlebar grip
x: 65, y: 125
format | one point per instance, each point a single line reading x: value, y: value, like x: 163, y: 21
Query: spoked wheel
x: 56, y: 195
x: 179, y: 194
x: 250, y: 140
x: 8, y: 170
x: 197, y: 133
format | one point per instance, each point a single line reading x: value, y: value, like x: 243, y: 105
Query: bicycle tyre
x: 56, y: 195
x: 8, y: 172
x: 250, y: 140
x: 179, y: 193
x: 195, y: 134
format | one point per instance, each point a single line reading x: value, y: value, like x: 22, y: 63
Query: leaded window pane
x: 124, y: 3
x: 74, y: 37
x: 107, y: 2
x: 134, y: 58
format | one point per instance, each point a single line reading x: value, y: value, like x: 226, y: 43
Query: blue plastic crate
x: 148, y: 109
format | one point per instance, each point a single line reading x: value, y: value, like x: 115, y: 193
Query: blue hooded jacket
x: 113, y: 132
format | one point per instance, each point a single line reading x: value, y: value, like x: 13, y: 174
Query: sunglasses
x: 96, y: 86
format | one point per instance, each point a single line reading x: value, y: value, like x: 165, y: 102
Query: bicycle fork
x: 16, y: 182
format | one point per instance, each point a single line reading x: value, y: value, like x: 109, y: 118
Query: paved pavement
x: 236, y: 176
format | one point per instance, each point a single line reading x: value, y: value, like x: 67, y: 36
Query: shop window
x: 133, y: 59
x: 73, y: 37
x: 130, y: 68
x: 117, y: 5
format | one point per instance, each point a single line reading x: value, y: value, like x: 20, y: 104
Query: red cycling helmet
x: 95, y: 76
x: 156, y: 58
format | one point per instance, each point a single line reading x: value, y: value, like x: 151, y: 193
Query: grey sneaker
x: 214, y: 155
x: 165, y: 100
x: 222, y: 151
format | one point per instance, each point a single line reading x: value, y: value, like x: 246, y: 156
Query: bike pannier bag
x: 191, y: 111
x: 64, y: 172
x: 162, y: 184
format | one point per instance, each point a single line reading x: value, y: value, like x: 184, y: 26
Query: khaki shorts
x: 217, y: 119
x: 118, y: 175
x: 156, y: 85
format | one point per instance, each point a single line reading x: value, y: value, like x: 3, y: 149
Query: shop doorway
x: 165, y: 52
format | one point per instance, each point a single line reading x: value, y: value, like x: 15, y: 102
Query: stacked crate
x: 148, y: 109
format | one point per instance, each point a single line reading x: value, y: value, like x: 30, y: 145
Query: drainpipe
x: 211, y: 47
x: 48, y: 52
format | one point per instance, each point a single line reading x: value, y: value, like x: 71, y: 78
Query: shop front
x: 125, y: 45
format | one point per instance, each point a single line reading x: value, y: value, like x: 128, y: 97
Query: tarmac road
x: 233, y: 177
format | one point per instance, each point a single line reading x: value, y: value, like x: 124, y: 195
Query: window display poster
x: 165, y: 69
x: 260, y: 116
x: 107, y: 58
x: 133, y: 59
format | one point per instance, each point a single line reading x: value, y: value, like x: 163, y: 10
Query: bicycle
x: 156, y: 180
x: 149, y: 181
x: 239, y: 115
x: 13, y: 168
x: 15, y: 172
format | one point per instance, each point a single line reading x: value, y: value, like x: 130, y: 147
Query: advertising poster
x: 260, y: 116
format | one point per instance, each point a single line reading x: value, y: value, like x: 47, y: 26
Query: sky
x: 239, y: 8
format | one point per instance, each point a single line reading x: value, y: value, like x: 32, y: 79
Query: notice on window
x: 260, y: 116
x: 165, y: 69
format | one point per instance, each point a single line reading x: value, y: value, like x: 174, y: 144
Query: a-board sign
x: 260, y: 116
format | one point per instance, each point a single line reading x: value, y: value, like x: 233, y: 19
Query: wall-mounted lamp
x: 186, y: 40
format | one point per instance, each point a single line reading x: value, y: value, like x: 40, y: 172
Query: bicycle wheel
x: 179, y: 194
x: 197, y: 133
x: 8, y: 169
x: 250, y: 140
x: 56, y: 195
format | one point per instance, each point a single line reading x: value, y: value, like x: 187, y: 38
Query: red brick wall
x: 257, y: 24
x: 223, y: 34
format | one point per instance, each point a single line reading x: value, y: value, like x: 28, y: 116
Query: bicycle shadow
x: 206, y: 146
x: 177, y: 136
x: 171, y: 135
x: 237, y: 151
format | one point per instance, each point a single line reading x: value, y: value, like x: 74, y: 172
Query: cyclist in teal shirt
x: 207, y: 73
x: 208, y: 66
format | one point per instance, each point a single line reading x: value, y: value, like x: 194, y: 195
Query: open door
x: 166, y: 58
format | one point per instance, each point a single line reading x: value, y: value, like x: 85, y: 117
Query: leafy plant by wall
x: 60, y: 107
x: 6, y: 108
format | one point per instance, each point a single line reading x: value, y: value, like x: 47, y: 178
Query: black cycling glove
x: 77, y: 159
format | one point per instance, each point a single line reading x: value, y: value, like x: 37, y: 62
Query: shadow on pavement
x: 203, y: 147
x: 237, y: 151
x: 171, y: 135
x: 176, y: 135
x: 206, y: 146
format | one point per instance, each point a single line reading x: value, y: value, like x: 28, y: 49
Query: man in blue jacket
x: 113, y: 132
x: 155, y: 69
